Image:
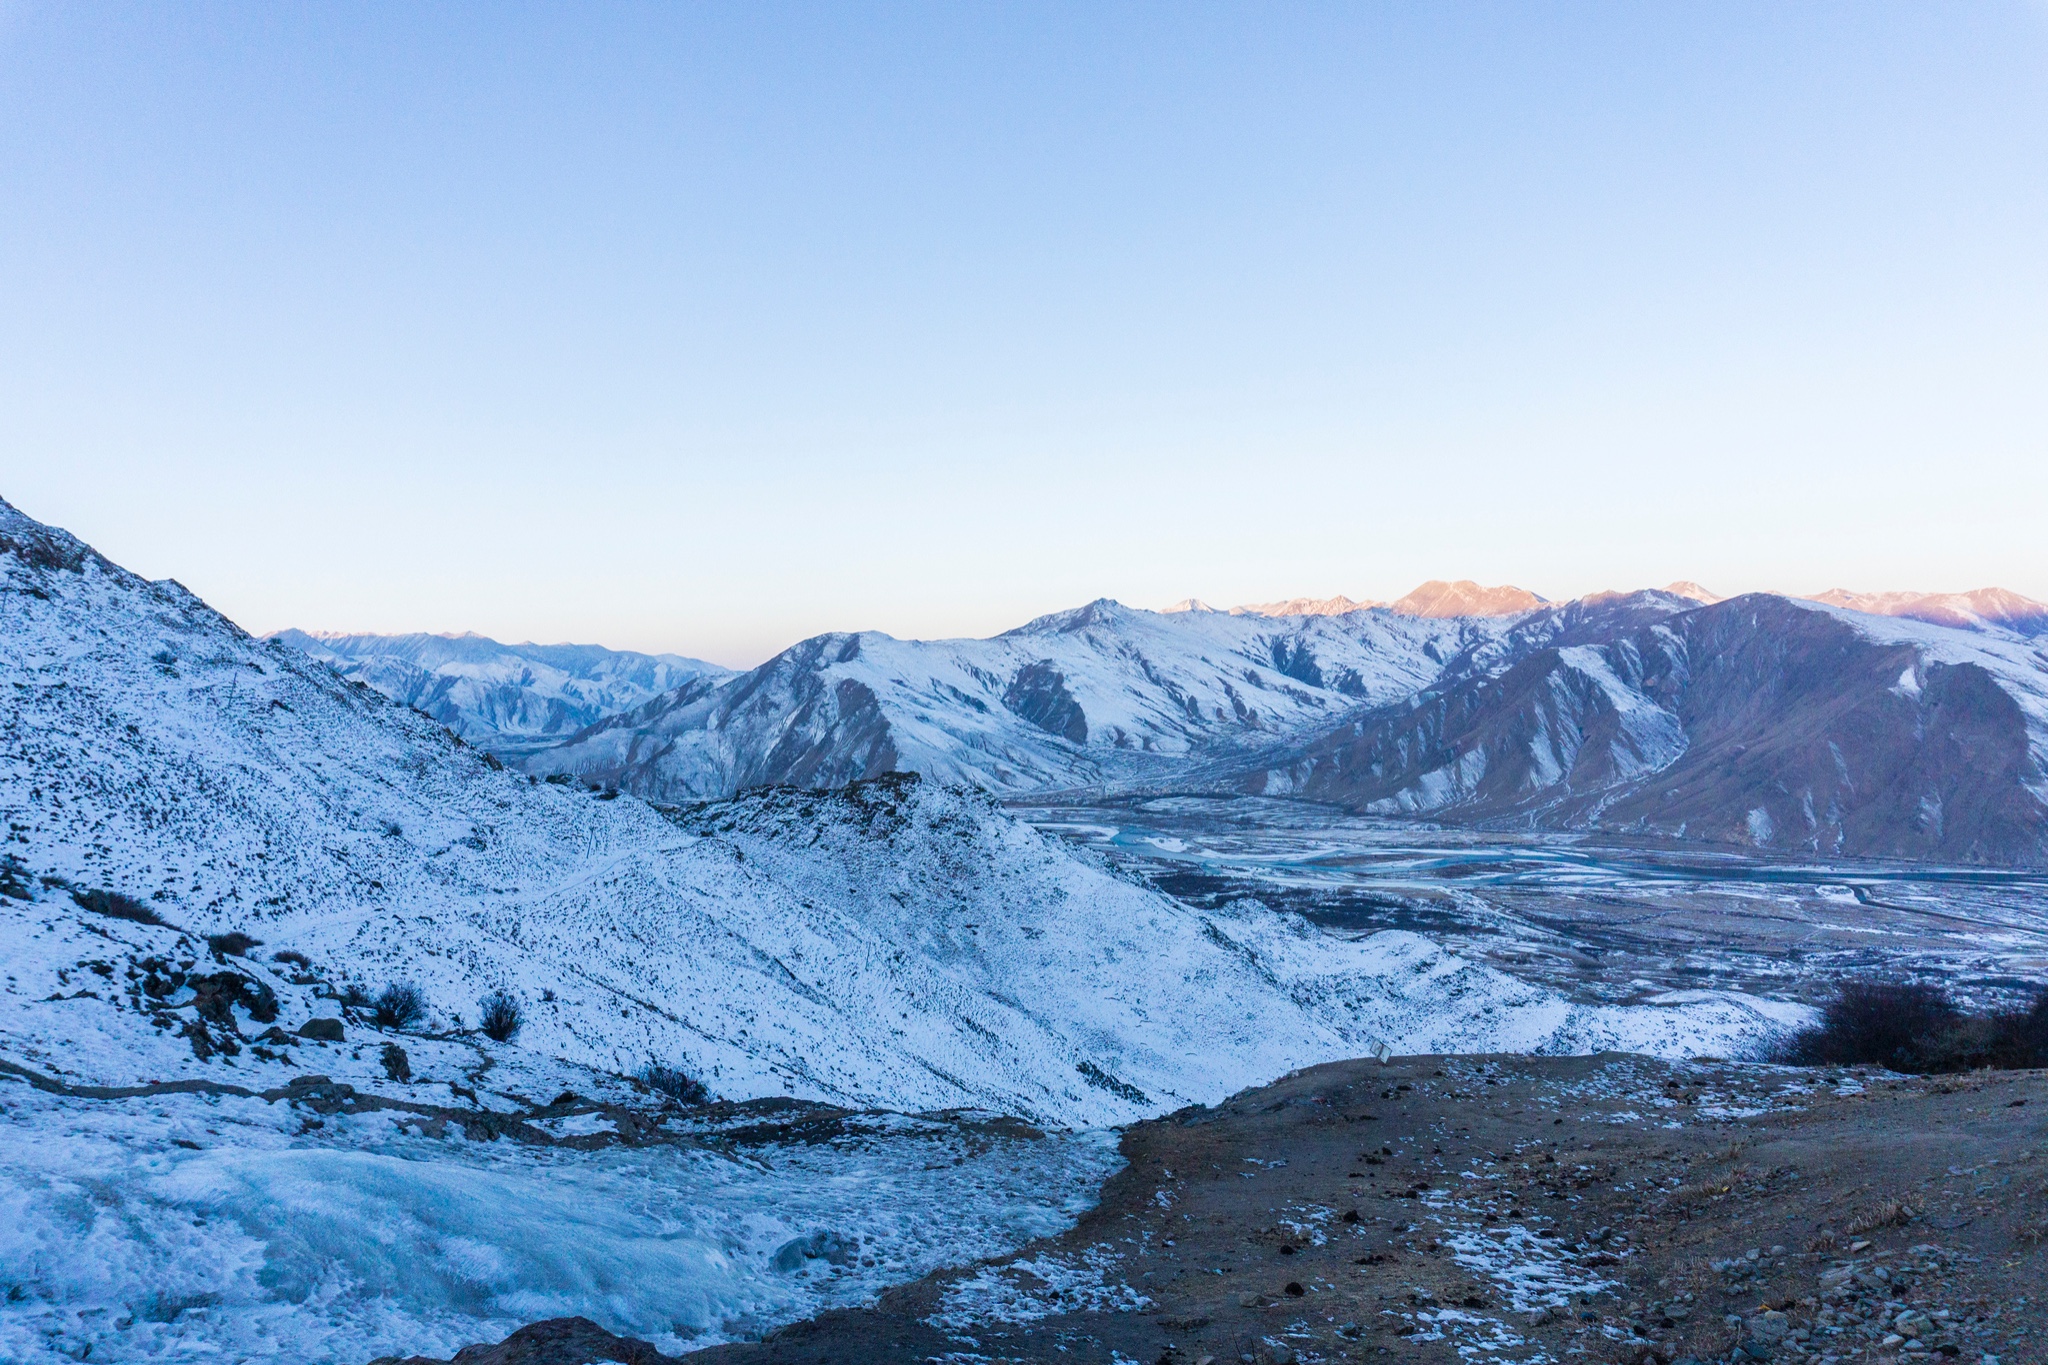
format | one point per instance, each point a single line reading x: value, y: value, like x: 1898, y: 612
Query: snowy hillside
x: 508, y: 698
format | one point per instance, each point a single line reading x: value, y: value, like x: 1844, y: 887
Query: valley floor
x: 1596, y: 919
x: 1611, y: 1208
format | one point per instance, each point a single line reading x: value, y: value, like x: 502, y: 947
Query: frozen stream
x: 191, y: 1228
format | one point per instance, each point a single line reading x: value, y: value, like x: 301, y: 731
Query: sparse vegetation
x: 1888, y: 1213
x: 400, y: 1006
x: 498, y: 1016
x: 674, y: 1082
x: 117, y: 906
x: 1918, y: 1028
x: 1102, y: 1080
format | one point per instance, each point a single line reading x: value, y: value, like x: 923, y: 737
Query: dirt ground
x: 1607, y: 1209
x: 1610, y: 1208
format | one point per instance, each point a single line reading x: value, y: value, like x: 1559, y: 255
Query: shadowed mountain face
x: 1757, y: 720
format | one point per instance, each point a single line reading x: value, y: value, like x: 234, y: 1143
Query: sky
x: 705, y: 328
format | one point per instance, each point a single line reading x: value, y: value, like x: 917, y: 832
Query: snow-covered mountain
x: 896, y: 944
x: 1103, y: 694
x: 508, y: 698
x: 1758, y: 720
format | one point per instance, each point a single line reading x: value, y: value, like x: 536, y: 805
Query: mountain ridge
x: 509, y: 698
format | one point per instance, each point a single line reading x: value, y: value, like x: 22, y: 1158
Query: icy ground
x: 189, y: 1228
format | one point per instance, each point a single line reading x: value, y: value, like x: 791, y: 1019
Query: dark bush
x: 400, y: 1006
x: 674, y: 1082
x: 294, y: 958
x: 234, y: 943
x: 498, y: 1016
x: 118, y: 906
x: 1916, y: 1028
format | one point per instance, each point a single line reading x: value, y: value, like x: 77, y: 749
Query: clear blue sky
x: 709, y: 327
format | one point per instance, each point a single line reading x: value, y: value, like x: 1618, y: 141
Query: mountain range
x: 1768, y: 722
x: 176, y: 793
x: 1909, y: 725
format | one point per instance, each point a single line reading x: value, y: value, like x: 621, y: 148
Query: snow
x: 261, y: 1242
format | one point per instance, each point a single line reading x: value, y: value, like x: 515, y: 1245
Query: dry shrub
x: 1886, y: 1213
x: 1700, y: 1191
x: 1917, y: 1028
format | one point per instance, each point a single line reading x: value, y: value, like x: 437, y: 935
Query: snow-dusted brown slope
x: 1759, y: 720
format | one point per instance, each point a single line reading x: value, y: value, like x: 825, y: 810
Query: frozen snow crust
x: 896, y: 945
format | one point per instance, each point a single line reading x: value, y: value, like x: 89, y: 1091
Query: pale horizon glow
x: 705, y: 329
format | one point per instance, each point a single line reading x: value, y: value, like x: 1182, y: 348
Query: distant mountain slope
x: 897, y: 944
x: 508, y: 698
x: 1758, y: 720
x: 1983, y: 609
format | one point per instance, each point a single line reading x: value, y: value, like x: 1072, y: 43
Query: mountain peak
x: 1438, y: 598
x: 1339, y: 605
